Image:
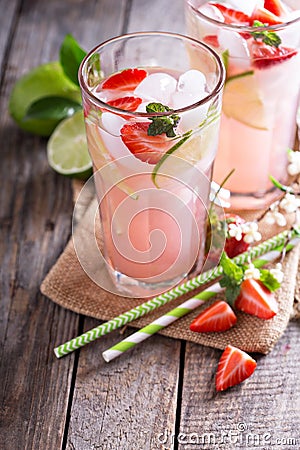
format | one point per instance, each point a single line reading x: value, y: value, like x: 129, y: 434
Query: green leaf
x: 268, y: 37
x: 232, y: 278
x: 231, y: 269
x: 268, y: 280
x: 161, y: 124
x: 225, y: 58
x: 57, y: 108
x: 70, y: 57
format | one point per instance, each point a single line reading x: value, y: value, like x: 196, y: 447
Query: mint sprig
x: 269, y: 280
x: 232, y: 278
x: 267, y: 37
x: 161, y: 124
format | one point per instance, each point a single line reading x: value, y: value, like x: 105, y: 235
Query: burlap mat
x: 68, y: 285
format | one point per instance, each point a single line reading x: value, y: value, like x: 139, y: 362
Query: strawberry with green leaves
x: 234, y: 367
x: 249, y: 289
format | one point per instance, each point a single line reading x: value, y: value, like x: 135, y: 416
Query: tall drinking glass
x: 261, y: 94
x: 152, y: 105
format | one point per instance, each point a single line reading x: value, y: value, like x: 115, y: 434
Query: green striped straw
x: 181, y: 311
x: 150, y: 305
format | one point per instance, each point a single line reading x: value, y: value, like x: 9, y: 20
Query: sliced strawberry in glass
x: 276, y: 7
x: 265, y: 16
x: 232, y: 15
x: 148, y: 149
x: 128, y: 103
x: 127, y: 80
x: 266, y: 55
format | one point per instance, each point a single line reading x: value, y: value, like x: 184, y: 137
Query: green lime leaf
x: 67, y: 148
x: 52, y: 108
x: 70, y: 56
x: 46, y: 80
x: 268, y: 280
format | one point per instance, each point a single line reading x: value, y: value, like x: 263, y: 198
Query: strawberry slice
x: 217, y: 317
x: 127, y: 103
x: 265, y: 16
x: 266, y: 55
x: 233, y: 247
x: 276, y: 7
x: 256, y: 299
x: 232, y: 15
x: 127, y: 80
x: 146, y: 148
x: 212, y: 39
x: 234, y: 367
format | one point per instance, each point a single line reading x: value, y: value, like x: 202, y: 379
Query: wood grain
x: 262, y: 412
x: 128, y: 403
x: 8, y: 22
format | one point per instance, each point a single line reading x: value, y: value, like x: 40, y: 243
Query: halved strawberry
x: 212, y: 39
x: 233, y: 247
x: 266, y: 55
x: 127, y: 80
x: 265, y: 16
x: 127, y: 103
x: 217, y: 317
x: 232, y: 15
x: 276, y: 7
x: 256, y: 299
x: 234, y: 367
x: 146, y: 148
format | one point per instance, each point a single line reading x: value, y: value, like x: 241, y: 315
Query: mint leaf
x: 161, y: 124
x: 70, y: 57
x: 268, y: 280
x: 268, y: 37
x: 232, y: 278
x: 57, y: 108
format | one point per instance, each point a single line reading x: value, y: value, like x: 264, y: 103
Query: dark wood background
x: 161, y: 394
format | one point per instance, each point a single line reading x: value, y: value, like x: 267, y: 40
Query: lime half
x: 43, y: 81
x: 242, y: 100
x: 67, y: 148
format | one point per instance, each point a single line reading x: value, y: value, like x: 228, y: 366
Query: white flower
x: 251, y: 232
x: 294, y: 160
x: 277, y: 273
x: 252, y: 272
x: 222, y: 198
x: 290, y: 203
x: 235, y: 231
x: 273, y: 217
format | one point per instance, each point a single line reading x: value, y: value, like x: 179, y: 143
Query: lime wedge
x: 67, y: 148
x: 43, y: 81
x: 243, y: 101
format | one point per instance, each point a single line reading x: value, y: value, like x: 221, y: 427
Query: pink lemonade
x: 153, y: 187
x: 261, y: 93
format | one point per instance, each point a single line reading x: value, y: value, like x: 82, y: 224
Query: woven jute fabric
x: 68, y: 285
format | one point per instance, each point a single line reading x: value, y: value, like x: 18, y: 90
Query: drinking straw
x: 180, y: 311
x: 188, y: 286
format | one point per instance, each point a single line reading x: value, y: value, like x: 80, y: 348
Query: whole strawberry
x: 235, y: 244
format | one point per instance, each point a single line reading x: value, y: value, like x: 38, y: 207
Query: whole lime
x: 43, y: 81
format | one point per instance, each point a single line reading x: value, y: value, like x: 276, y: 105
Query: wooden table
x: 161, y: 394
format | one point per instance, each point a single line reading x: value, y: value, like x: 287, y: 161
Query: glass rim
x: 101, y: 104
x: 243, y: 28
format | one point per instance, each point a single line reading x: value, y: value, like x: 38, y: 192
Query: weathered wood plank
x: 35, y: 222
x: 128, y: 403
x: 262, y: 412
x: 8, y: 18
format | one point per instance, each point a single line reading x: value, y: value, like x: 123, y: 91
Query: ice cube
x: 192, y: 82
x: 237, y: 47
x: 212, y: 11
x: 157, y: 87
x: 112, y: 123
x: 192, y: 118
x: 247, y: 7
